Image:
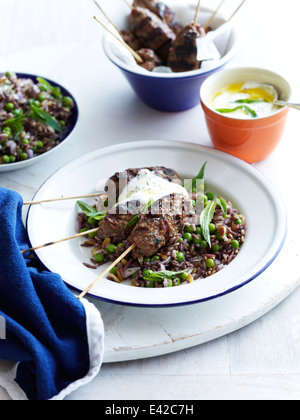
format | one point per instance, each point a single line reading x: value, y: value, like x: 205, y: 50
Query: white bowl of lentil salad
x: 37, y: 115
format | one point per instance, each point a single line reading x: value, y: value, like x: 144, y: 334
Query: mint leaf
x: 205, y: 219
x: 90, y: 211
x: 16, y: 124
x: 222, y: 203
x: 161, y: 275
x: 192, y: 185
x: 54, y: 90
x: 244, y: 108
x: 43, y: 117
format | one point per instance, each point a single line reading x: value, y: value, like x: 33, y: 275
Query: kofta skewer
x: 30, y: 203
x: 105, y: 272
x: 135, y: 55
x: 162, y: 11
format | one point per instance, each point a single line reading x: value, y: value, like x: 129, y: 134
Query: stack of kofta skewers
x: 159, y: 39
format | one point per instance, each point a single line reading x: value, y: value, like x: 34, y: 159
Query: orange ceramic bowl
x: 252, y: 139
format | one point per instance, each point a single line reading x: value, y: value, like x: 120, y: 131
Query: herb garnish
x: 222, y: 203
x: 162, y: 275
x: 135, y: 219
x: 38, y: 114
x: 244, y: 108
x: 55, y: 91
x: 249, y: 101
x: 16, y: 124
x: 193, y: 184
x: 205, y: 219
x: 91, y: 212
x: 43, y: 117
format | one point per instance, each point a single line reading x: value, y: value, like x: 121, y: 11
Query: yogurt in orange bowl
x: 241, y: 117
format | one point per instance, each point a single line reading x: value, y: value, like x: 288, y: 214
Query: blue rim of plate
x: 186, y: 303
x: 69, y: 126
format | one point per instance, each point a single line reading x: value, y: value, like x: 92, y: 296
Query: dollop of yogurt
x: 147, y: 185
x: 245, y: 100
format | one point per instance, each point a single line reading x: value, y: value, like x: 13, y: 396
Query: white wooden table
x: 59, y: 39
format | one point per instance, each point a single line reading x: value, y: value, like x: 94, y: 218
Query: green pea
x: 5, y: 159
x: 156, y: 258
x: 180, y: 240
x: 111, y: 248
x: 113, y: 270
x: 25, y: 141
x: 204, y: 244
x: 210, y: 263
x: 91, y: 221
x: 67, y: 101
x: 212, y: 227
x: 189, y: 229
x: 99, y: 258
x: 188, y: 237
x: 210, y: 196
x: 41, y: 97
x: 238, y: 222
x: 83, y: 230
x: 7, y: 130
x: 23, y: 156
x: 180, y: 256
x: 198, y: 230
x: 150, y: 283
x: 147, y: 259
x: 40, y: 144
x: 8, y: 74
x: 93, y: 234
x: 120, y: 244
x: 216, y: 248
x: 235, y: 244
x: 17, y: 112
x: 197, y: 240
x: 147, y: 273
x: 184, y: 275
x: 9, y: 106
x: 12, y: 159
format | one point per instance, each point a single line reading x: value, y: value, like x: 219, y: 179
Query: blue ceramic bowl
x: 169, y: 92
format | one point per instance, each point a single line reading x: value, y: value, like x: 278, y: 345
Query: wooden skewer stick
x: 61, y: 240
x: 107, y: 17
x: 197, y: 12
x: 206, y: 25
x: 128, y: 4
x: 30, y: 203
x: 235, y: 12
x: 135, y: 55
x: 105, y: 272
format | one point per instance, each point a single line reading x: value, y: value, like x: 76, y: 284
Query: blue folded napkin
x: 55, y: 339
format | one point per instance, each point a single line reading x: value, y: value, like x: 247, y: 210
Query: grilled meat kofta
x: 166, y: 214
x: 156, y: 228
x: 151, y: 59
x: 161, y: 10
x: 183, y: 52
x: 151, y: 31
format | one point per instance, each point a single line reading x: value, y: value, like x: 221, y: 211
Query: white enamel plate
x: 225, y: 175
